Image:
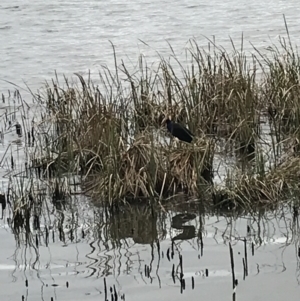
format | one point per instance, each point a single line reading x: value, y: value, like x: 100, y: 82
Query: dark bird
x: 179, y: 131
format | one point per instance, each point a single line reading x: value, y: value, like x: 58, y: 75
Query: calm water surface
x: 38, y: 37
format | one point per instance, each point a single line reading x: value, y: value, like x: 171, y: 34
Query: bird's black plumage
x: 179, y: 131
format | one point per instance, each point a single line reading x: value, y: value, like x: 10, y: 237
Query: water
x: 84, y: 245
x: 39, y: 37
x: 71, y: 264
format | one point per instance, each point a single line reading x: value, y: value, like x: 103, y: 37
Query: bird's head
x: 166, y: 120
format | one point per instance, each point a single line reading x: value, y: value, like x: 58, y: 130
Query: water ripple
x: 69, y: 35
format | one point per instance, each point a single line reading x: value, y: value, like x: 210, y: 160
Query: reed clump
x: 277, y: 186
x: 112, y: 132
x: 281, y: 87
x: 221, y: 94
x: 153, y: 170
x: 97, y: 137
x: 192, y: 165
x: 282, y: 90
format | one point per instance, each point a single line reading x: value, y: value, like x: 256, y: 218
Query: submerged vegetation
x: 112, y: 134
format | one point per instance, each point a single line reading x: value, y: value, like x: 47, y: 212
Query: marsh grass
x: 191, y: 166
x: 117, y: 157
x: 280, y: 88
x: 278, y: 186
x: 113, y: 134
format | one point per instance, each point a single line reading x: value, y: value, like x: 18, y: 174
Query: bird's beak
x: 165, y: 119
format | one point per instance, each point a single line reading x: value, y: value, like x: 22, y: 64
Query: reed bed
x: 112, y: 132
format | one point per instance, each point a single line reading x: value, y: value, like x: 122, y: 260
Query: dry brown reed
x: 117, y: 159
x: 111, y: 132
x: 276, y: 187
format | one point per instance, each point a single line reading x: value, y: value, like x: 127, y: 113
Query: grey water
x: 73, y: 252
x: 38, y: 37
x: 83, y: 245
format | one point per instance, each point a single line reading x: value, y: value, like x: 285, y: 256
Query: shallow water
x: 70, y: 36
x: 72, y: 266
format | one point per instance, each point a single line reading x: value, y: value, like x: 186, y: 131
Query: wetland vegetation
x: 104, y: 143
x: 111, y: 135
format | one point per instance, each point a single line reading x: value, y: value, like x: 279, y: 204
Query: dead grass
x: 151, y: 169
x: 111, y: 133
x: 278, y: 186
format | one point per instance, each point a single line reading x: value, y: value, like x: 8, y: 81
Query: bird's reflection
x: 178, y: 222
